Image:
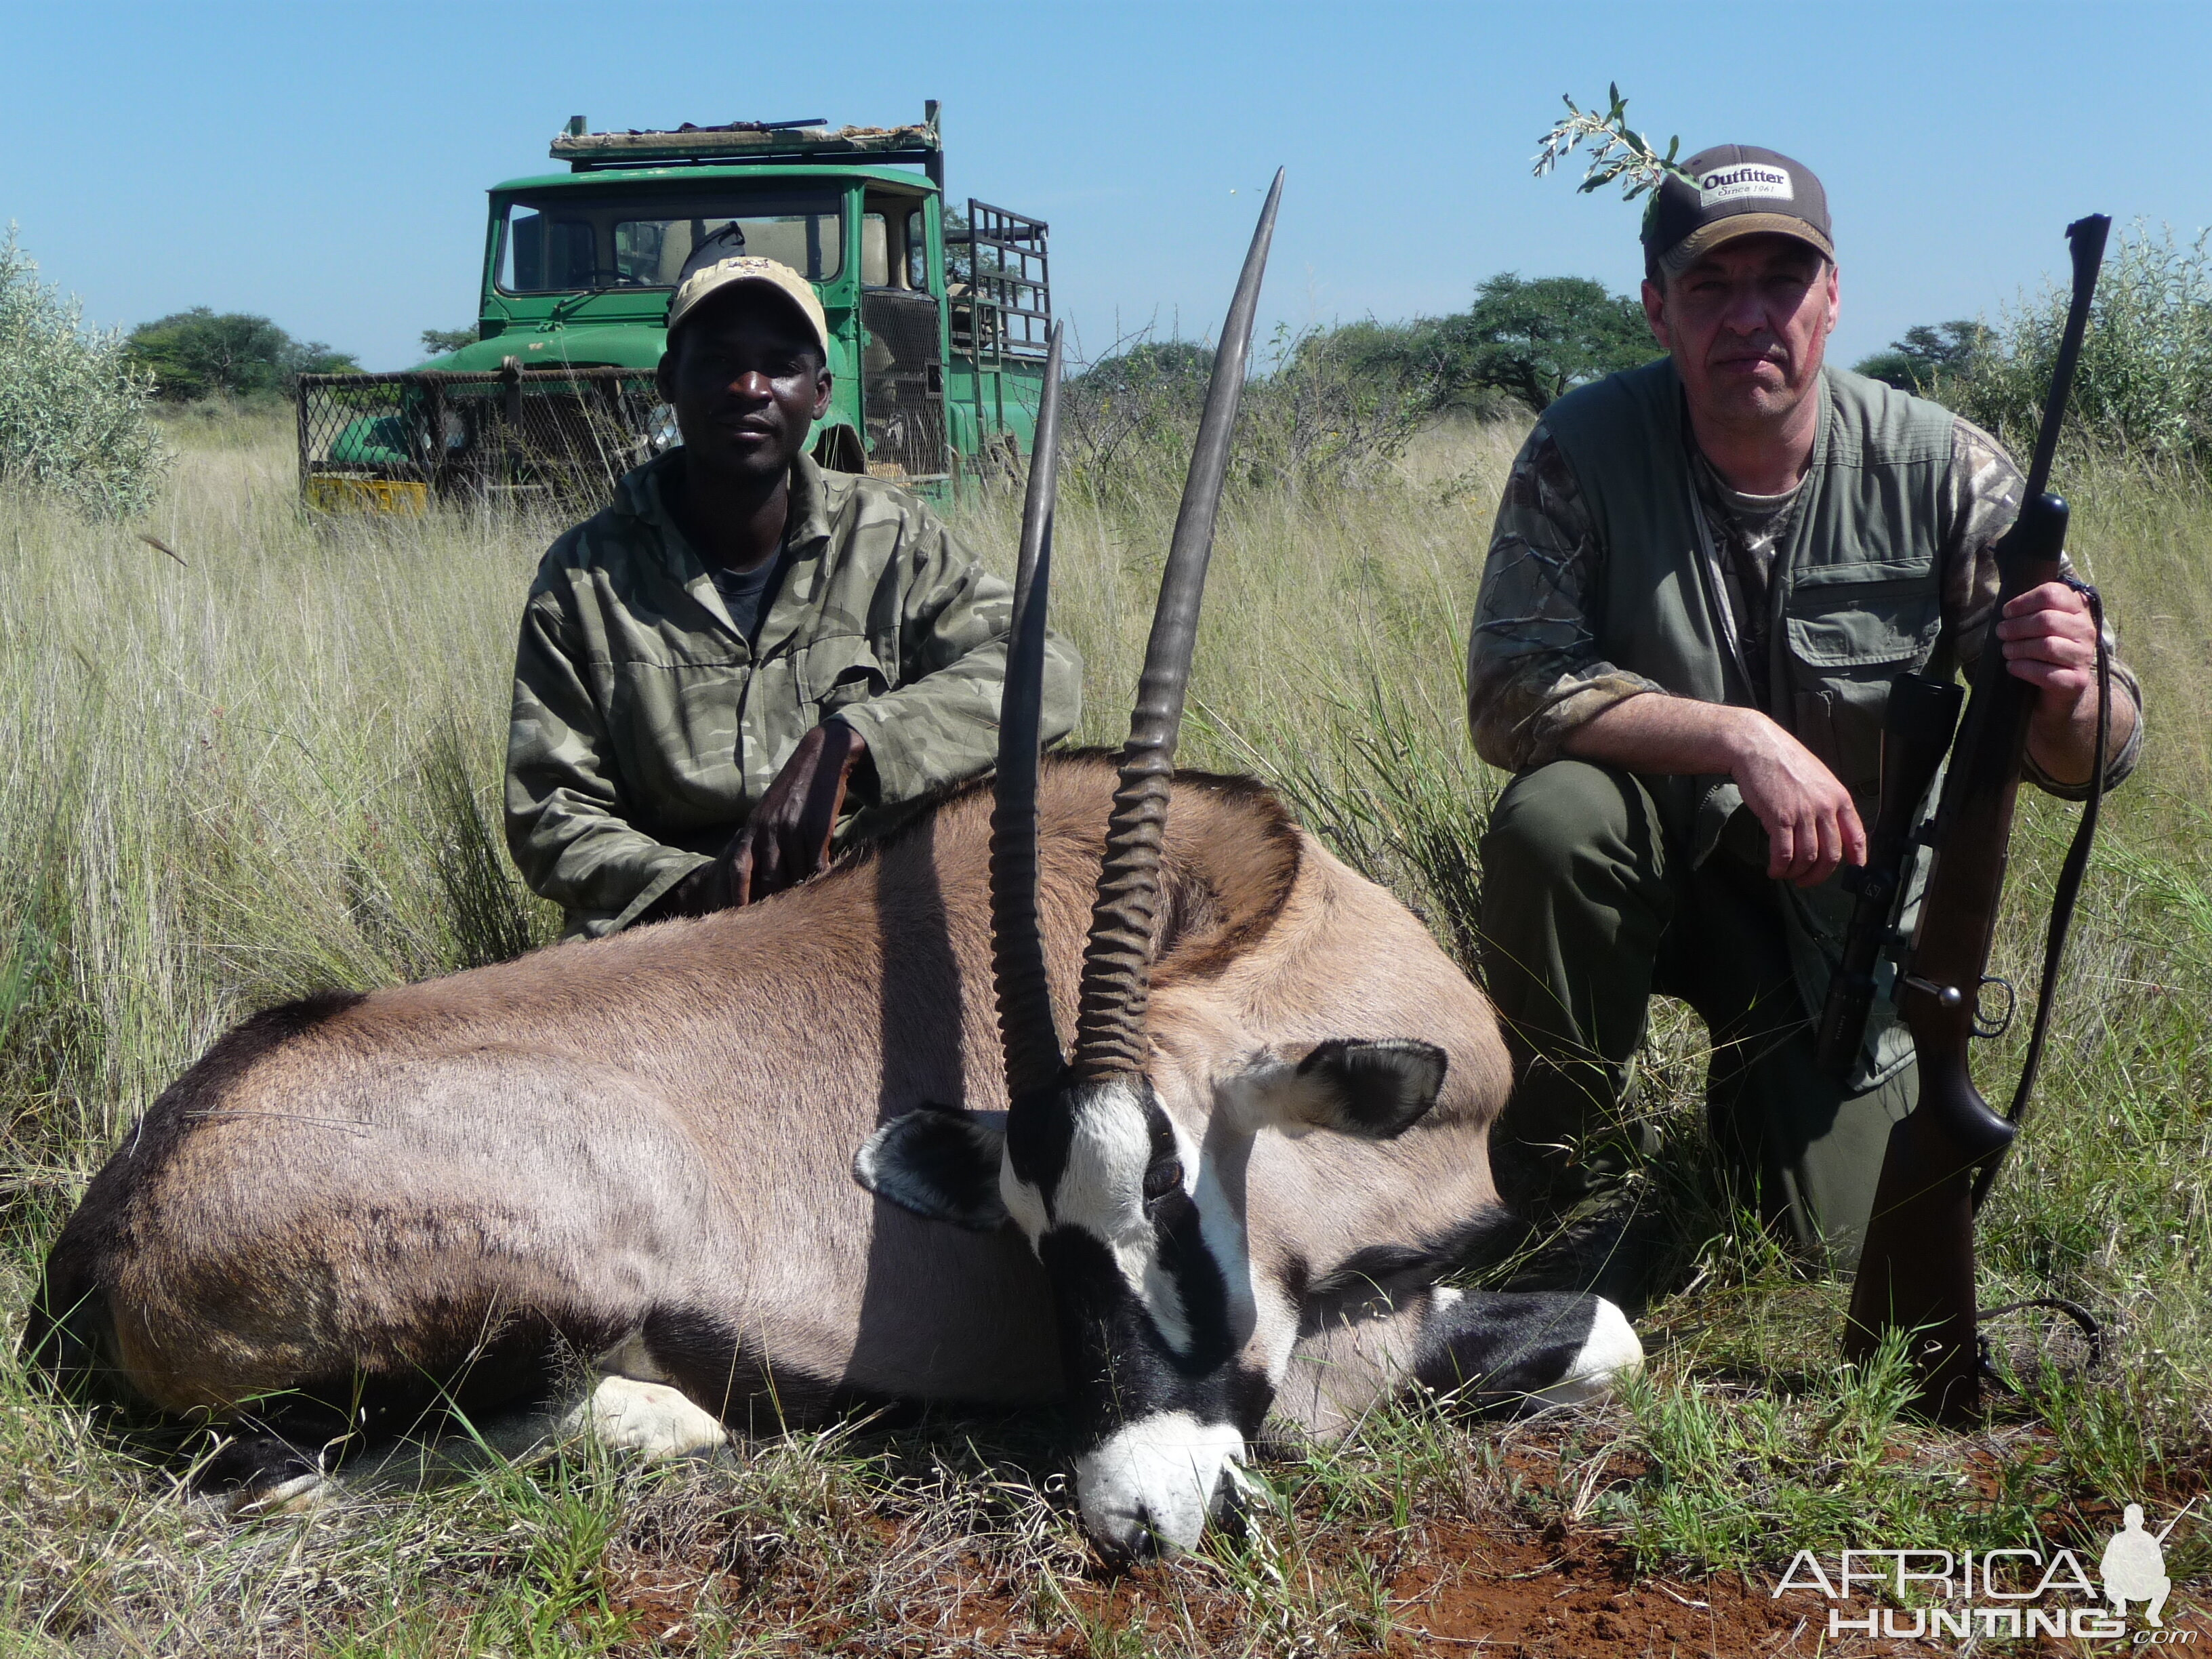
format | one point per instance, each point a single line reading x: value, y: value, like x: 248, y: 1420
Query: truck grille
x: 902, y: 386
x: 560, y: 435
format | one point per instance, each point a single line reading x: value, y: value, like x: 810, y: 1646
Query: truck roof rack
x: 749, y: 141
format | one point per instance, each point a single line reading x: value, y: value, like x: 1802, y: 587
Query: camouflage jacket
x: 645, y: 728
x: 1535, y: 668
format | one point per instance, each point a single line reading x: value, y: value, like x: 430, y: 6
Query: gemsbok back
x: 760, y: 1167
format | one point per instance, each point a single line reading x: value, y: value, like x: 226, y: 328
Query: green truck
x: 938, y: 319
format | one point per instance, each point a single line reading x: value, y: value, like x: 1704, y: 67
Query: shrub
x: 1322, y: 416
x: 1526, y: 340
x: 1127, y: 418
x: 1340, y: 404
x: 2144, y: 386
x: 74, y: 422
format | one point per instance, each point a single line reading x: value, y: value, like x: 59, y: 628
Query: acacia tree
x: 1926, y: 355
x: 202, y: 352
x: 1537, y: 339
x: 1531, y: 339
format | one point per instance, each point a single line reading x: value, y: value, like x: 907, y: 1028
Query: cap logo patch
x: 1747, y: 182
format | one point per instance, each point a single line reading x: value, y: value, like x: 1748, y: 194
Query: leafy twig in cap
x: 1618, y: 150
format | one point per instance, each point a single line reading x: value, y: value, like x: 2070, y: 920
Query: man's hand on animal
x: 2050, y: 640
x: 787, y: 838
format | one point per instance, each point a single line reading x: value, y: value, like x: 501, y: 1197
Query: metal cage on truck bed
x: 395, y: 441
x: 1000, y: 312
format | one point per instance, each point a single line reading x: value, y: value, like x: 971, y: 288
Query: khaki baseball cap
x: 750, y: 271
x: 1732, y: 191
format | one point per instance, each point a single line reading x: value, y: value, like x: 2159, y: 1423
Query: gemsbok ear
x: 940, y: 1163
x: 1371, y: 1090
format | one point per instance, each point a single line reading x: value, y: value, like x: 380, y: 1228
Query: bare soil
x: 1455, y: 1587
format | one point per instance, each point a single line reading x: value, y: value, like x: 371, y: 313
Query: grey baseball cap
x: 1732, y: 191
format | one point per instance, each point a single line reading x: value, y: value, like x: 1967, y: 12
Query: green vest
x: 1856, y: 593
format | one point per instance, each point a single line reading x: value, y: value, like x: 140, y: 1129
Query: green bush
x: 1319, y: 416
x: 1341, y: 404
x: 1127, y: 418
x: 74, y: 421
x: 2144, y: 386
x: 444, y: 341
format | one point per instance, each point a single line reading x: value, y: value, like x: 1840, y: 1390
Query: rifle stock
x: 1916, y: 1265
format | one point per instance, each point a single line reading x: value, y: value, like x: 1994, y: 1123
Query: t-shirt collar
x: 642, y: 494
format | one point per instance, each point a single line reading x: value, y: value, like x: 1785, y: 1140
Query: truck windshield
x: 563, y: 240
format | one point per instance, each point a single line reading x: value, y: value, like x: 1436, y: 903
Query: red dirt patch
x: 1450, y: 1587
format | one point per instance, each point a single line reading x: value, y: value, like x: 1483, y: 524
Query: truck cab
x: 936, y: 329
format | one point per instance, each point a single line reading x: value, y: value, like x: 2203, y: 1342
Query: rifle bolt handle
x: 1949, y: 996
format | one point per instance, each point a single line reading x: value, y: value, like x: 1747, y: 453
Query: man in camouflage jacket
x: 1704, y: 576
x: 745, y: 660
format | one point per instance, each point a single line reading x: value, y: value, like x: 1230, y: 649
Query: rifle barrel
x: 1916, y: 1264
x: 2086, y: 237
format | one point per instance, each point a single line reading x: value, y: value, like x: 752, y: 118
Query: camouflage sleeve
x: 1533, y: 670
x: 567, y: 824
x: 941, y: 723
x: 1983, y: 496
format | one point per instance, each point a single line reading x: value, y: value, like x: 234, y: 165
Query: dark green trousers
x: 1589, y: 906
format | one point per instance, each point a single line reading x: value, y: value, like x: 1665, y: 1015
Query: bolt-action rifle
x: 1916, y: 1266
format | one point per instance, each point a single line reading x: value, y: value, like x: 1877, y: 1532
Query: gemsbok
x: 760, y: 1166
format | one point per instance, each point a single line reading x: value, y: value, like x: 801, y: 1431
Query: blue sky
x: 326, y: 165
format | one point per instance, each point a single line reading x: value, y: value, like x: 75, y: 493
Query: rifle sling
x: 2069, y: 884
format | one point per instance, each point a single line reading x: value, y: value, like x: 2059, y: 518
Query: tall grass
x: 273, y: 769
x: 268, y: 769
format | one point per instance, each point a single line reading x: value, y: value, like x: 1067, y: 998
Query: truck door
x: 901, y: 354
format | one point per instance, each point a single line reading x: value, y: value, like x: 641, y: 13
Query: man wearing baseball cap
x: 1704, y: 576
x: 744, y: 659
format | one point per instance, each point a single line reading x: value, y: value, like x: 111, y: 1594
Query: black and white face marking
x: 1143, y: 1235
x: 1143, y: 1232
x: 1106, y: 1160
x: 1154, y: 1301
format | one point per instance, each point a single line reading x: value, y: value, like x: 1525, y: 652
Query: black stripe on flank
x: 1496, y: 1348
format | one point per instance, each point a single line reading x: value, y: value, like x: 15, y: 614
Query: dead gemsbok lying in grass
x: 759, y: 1166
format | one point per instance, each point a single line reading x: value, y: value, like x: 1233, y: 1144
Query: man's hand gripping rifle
x: 1916, y: 1266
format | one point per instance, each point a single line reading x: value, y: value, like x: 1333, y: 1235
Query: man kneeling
x: 746, y: 660
x: 1704, y: 574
